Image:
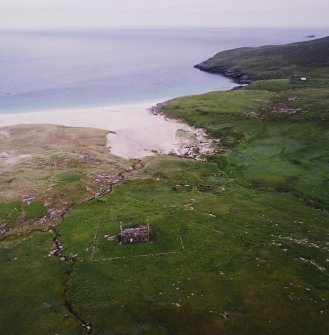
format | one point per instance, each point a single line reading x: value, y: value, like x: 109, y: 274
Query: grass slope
x: 262, y: 146
x: 31, y: 286
x: 241, y: 265
x: 247, y: 252
x: 310, y: 58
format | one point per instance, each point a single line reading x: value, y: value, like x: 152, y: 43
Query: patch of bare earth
x: 35, y: 160
x: 12, y: 157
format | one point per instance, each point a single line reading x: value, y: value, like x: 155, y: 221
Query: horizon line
x: 75, y: 29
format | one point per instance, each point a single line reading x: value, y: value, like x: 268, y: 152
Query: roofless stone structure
x: 135, y: 234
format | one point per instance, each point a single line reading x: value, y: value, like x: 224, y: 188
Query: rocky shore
x: 236, y: 75
x: 190, y: 142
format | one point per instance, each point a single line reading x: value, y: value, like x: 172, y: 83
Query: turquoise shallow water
x: 46, y: 70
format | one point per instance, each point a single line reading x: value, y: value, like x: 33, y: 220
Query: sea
x: 47, y: 70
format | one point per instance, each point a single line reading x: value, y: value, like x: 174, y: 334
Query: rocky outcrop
x: 204, y: 66
x: 236, y: 75
x: 2, y: 231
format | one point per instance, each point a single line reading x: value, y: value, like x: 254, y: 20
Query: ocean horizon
x: 71, y: 69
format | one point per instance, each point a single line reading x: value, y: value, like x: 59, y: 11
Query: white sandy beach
x: 138, y: 133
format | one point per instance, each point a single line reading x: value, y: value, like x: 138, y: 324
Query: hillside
x: 239, y: 240
x: 302, y: 59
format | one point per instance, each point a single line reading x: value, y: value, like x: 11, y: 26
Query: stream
x: 57, y: 247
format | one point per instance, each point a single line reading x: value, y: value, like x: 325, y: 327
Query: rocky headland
x: 236, y: 75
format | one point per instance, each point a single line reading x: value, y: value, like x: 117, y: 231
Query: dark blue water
x: 45, y: 70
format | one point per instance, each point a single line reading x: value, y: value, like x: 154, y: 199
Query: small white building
x: 303, y: 78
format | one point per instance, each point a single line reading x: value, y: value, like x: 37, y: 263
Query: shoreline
x: 237, y: 77
x: 135, y: 130
x: 100, y: 117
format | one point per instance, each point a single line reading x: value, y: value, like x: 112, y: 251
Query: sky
x: 102, y: 14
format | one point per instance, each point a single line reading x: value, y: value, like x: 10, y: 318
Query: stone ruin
x: 135, y: 234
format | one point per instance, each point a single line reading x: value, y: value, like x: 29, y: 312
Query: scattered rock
x: 46, y: 305
x: 110, y: 238
x: 63, y: 163
x: 27, y: 199
x: 224, y: 315
x: 204, y: 188
x: 87, y: 158
x: 311, y: 262
x: 188, y: 207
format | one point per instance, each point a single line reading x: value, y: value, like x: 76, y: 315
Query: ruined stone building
x: 135, y: 234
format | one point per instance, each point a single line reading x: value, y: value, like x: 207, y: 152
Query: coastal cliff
x: 244, y: 65
x: 236, y: 75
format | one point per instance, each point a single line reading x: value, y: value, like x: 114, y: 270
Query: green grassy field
x: 239, y: 242
x: 263, y: 147
x: 31, y: 286
x: 219, y: 261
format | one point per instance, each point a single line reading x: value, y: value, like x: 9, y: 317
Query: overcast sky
x: 62, y: 14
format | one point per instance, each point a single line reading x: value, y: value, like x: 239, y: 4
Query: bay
x: 68, y: 69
